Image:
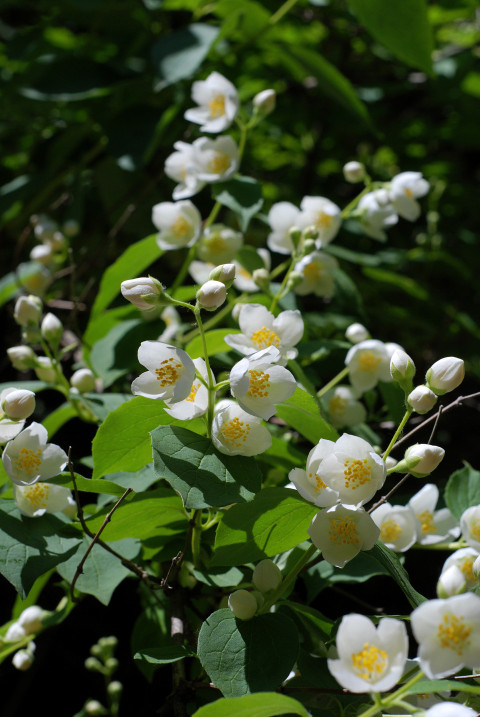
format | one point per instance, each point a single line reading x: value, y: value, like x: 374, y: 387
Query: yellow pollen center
x: 180, y: 227
x: 409, y: 193
x: 259, y: 384
x: 37, y: 495
x: 262, y: 338
x: 219, y: 163
x: 356, y: 472
x: 169, y: 372
x: 367, y: 361
x: 28, y: 461
x: 217, y: 106
x: 193, y: 393
x: 427, y: 522
x: 337, y: 406
x: 466, y: 566
x: 313, y: 271
x: 390, y: 531
x: 370, y: 662
x: 453, y: 633
x: 216, y: 244
x: 235, y: 432
x: 322, y: 220
x: 343, y: 531
x: 475, y: 529
x: 319, y: 484
x: 243, y: 272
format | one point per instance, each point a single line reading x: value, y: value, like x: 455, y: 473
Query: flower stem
x: 183, y: 270
x: 196, y: 537
x: 286, y: 7
x: 280, y: 292
x: 336, y: 379
x: 211, y: 382
x: 397, y: 433
x: 381, y: 703
x: 288, y: 580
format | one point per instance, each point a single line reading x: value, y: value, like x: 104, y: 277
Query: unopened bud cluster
x: 266, y: 578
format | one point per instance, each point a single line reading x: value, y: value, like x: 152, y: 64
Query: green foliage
x: 264, y: 704
x: 243, y: 195
x: 301, y: 412
x: 462, y: 490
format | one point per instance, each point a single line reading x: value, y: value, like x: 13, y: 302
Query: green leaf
x: 404, y: 283
x: 102, y: 404
x: 203, y: 476
x: 30, y: 547
x: 220, y: 577
x: 67, y: 81
x: 215, y: 343
x: 89, y: 485
x: 462, y: 490
x: 102, y: 323
x: 404, y: 29
x: 275, y: 521
x: 152, y: 658
x: 315, y: 628
x: 102, y: 572
x: 390, y: 561
x: 123, y: 440
x: 243, y: 195
x: 263, y: 704
x: 244, y: 656
x: 129, y: 265
x: 330, y: 81
x: 250, y: 259
x: 55, y: 420
x: 179, y: 55
x: 322, y: 575
x: 154, y: 513
x: 301, y: 413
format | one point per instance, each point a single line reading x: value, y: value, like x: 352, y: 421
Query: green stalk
x: 397, y: 433
x: 183, y: 270
x: 211, y: 382
x: 336, y: 379
x: 286, y: 7
x: 390, y: 700
x: 280, y: 292
x: 196, y: 537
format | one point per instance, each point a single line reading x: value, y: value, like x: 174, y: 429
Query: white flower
x: 215, y: 159
x: 404, y: 189
x: 196, y: 403
x: 9, y: 429
x: 218, y: 103
x: 22, y: 357
x: 264, y: 102
x: 445, y: 375
x: 354, y: 172
x: 31, y: 619
x: 398, y: 527
x: 347, y: 471
x: 52, y: 329
x: 138, y: 290
x: 243, y: 604
x: 28, y: 310
x: 317, y: 270
x: 236, y: 432
x: 342, y: 532
x: 181, y: 167
x: 451, y: 582
x: 421, y: 399
x: 200, y: 271
x: 40, y: 498
x: 344, y: 408
x: 371, y: 659
x: 368, y: 363
x: 261, y: 329
x: 448, y: 634
x: 172, y: 320
x: 323, y: 215
x: 83, y: 380
x: 266, y: 576
x: 421, y: 459
x: 211, y: 295
x: 23, y: 659
x: 258, y: 384
x: 219, y: 244
x: 244, y: 279
x: 29, y: 458
x: 450, y: 709
x: 374, y: 216
x: 470, y: 525
x: 464, y: 559
x: 179, y: 225
x: 356, y: 333
x: 15, y: 632
x: 282, y: 217
x: 170, y: 375
x: 17, y: 403
x: 44, y: 369
x: 433, y: 526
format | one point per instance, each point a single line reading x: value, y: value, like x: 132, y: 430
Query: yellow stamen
x: 37, y: 495
x: 193, y: 393
x: 313, y: 271
x: 217, y: 106
x: 367, y: 361
x: 337, y: 406
x: 169, y: 372
x: 216, y: 244
x: 475, y: 529
x: 453, y: 633
x: 219, y: 163
x: 259, y: 384
x: 390, y: 531
x: 235, y: 432
x: 427, y: 522
x: 262, y: 338
x: 319, y: 484
x: 357, y: 472
x: 343, y: 531
x: 322, y: 220
x: 28, y: 461
x: 180, y: 227
x: 408, y: 192
x: 466, y: 566
x: 369, y: 662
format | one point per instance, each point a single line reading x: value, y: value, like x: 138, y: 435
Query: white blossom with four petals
x: 433, y: 526
x: 321, y: 214
x: 217, y: 101
x: 237, y: 433
x: 196, y: 403
x: 405, y: 188
x: 179, y: 224
x: 170, y: 375
x: 28, y: 458
x: 368, y: 363
x: 398, y: 526
x: 40, y: 498
x: 341, y: 532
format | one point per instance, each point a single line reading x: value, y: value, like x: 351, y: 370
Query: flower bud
x: 451, y: 582
x: 382, y: 197
x: 224, y: 273
x: 243, y: 604
x: 56, y: 241
x: 22, y: 357
x: 421, y: 459
x: 402, y: 369
x: 94, y: 665
x: 31, y: 619
x: 354, y: 172
x: 36, y: 282
x: 42, y: 253
x: 28, y: 310
x: 356, y: 333
x: 267, y: 576
x: 83, y: 380
x: 94, y: 708
x: 15, y: 633
x: 18, y: 404
x: 445, y: 375
x: 144, y: 292
x: 71, y: 227
x: 259, y: 598
x: 476, y: 568
x: 310, y: 234
x: 115, y: 689
x: 211, y: 295
x: 264, y: 102
x: 44, y: 369
x: 261, y: 277
x: 52, y: 329
x: 23, y: 660
x: 294, y: 279
x: 421, y: 399
x: 295, y: 235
